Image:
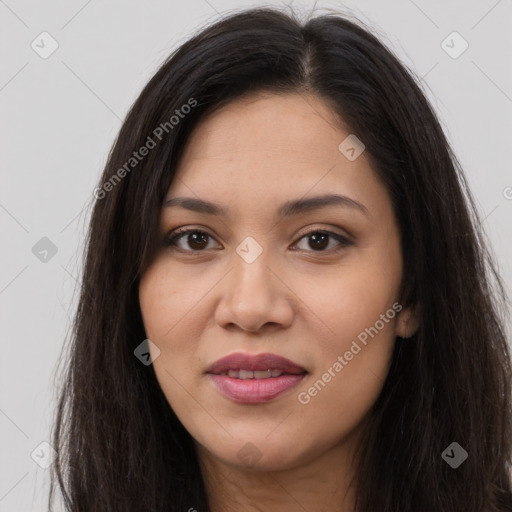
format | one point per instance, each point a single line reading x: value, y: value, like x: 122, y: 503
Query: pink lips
x: 255, y: 390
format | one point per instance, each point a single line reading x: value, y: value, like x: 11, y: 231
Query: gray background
x: 60, y: 115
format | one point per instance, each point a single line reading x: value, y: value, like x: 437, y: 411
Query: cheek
x: 353, y: 302
x: 162, y: 306
x: 359, y: 307
x: 361, y: 347
x: 167, y: 306
x: 165, y: 302
x: 349, y: 374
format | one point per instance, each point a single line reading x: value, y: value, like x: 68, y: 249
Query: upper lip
x: 253, y: 362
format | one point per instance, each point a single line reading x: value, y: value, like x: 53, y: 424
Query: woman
x: 287, y: 301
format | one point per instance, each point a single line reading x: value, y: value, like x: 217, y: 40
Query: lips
x: 255, y: 363
x: 255, y: 379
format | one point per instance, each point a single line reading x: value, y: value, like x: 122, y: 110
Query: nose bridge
x: 252, y: 295
x: 251, y: 279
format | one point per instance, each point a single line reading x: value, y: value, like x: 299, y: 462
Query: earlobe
x: 408, y: 322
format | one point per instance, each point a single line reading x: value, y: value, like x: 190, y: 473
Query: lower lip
x: 254, y: 391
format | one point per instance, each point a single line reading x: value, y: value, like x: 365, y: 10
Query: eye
x: 196, y: 237
x: 198, y: 240
x: 319, y: 240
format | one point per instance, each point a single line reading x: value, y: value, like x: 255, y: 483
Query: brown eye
x: 196, y: 239
x: 319, y: 240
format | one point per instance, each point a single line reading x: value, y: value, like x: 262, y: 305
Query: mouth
x: 257, y: 374
x: 257, y: 366
x: 253, y: 379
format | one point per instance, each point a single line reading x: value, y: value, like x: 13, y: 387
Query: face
x: 317, y: 284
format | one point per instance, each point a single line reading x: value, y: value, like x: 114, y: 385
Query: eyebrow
x: 288, y: 209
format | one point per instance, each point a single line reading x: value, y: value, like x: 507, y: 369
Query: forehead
x: 293, y: 125
x: 267, y: 148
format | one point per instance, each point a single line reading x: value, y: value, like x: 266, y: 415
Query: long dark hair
x: 119, y: 444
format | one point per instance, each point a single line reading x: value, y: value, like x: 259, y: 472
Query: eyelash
x: 170, y: 241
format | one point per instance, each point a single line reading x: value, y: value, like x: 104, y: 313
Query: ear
x: 408, y: 322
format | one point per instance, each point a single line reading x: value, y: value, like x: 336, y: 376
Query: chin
x: 259, y: 456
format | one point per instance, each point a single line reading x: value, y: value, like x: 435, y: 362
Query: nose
x: 255, y: 296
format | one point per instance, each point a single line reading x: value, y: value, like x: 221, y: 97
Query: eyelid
x: 345, y: 235
x: 174, y: 234
x: 343, y: 240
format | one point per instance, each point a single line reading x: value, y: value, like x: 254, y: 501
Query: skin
x: 298, y: 299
